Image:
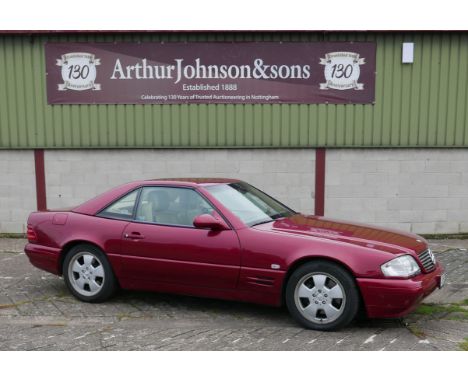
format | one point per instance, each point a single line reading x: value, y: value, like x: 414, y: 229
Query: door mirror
x: 209, y: 221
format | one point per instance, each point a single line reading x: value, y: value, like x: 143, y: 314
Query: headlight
x: 403, y: 266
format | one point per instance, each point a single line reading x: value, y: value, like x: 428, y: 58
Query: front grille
x: 426, y: 260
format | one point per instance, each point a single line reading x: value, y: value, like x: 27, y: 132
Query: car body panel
x: 254, y: 296
x: 363, y: 235
x: 44, y: 257
x: 263, y: 247
x: 181, y: 255
x: 396, y: 298
x: 240, y: 263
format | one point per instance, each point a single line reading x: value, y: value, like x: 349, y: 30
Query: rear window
x: 122, y: 208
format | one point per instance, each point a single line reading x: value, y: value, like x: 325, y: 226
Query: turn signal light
x: 31, y: 234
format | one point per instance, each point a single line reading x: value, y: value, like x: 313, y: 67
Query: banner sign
x: 215, y: 72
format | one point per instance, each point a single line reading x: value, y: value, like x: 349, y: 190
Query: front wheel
x: 322, y: 296
x: 88, y: 274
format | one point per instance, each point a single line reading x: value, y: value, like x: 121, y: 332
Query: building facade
x: 400, y: 161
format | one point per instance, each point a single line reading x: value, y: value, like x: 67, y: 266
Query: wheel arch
x: 73, y: 243
x: 306, y: 259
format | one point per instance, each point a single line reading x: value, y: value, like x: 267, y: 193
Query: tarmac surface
x: 38, y: 313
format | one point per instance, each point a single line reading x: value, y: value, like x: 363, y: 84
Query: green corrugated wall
x: 417, y: 105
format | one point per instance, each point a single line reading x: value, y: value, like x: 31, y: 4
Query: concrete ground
x: 38, y: 313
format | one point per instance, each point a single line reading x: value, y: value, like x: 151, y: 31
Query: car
x: 226, y: 239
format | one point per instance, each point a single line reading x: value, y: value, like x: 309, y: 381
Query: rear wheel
x: 321, y: 295
x: 88, y: 274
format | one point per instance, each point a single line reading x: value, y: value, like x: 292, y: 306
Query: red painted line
x: 40, y: 180
x: 319, y: 182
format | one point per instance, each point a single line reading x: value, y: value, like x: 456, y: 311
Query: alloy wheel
x: 320, y: 297
x: 86, y: 273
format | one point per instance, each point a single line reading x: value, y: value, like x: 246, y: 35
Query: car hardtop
x: 190, y: 181
x: 93, y: 206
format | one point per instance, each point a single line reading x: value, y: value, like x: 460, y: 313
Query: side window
x: 171, y: 205
x: 122, y: 208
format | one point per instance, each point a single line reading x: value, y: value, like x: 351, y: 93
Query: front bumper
x: 392, y: 298
x: 45, y: 258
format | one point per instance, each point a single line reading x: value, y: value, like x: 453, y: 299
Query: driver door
x: 161, y: 245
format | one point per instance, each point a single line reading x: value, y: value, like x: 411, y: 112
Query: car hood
x: 388, y: 240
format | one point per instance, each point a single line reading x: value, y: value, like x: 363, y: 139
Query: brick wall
x: 17, y: 189
x: 74, y: 176
x: 418, y: 190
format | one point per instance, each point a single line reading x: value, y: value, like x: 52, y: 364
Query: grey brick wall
x: 17, y: 189
x: 418, y: 190
x: 74, y: 176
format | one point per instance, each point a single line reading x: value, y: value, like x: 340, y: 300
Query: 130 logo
x: 342, y: 71
x: 78, y: 71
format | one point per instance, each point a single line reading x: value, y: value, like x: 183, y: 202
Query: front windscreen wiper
x: 263, y: 222
x: 281, y: 215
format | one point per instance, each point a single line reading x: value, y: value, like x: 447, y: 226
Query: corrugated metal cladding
x: 422, y: 104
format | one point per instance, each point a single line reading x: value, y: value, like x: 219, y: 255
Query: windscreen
x: 248, y: 203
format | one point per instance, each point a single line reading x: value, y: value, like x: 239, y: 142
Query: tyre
x: 321, y: 295
x: 88, y: 274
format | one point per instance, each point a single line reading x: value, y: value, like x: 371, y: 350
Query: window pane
x: 122, y: 208
x: 171, y: 205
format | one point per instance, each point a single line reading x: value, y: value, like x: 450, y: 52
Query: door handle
x: 134, y: 235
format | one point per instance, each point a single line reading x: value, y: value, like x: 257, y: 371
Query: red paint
x: 398, y: 297
x: 60, y: 218
x: 40, y: 180
x: 31, y: 235
x: 236, y: 262
x: 319, y: 182
x: 209, y: 222
x: 209, y: 258
x: 44, y: 257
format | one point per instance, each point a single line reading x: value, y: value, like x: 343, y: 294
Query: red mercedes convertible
x: 223, y: 238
